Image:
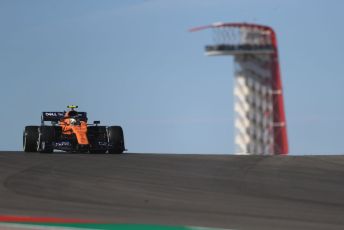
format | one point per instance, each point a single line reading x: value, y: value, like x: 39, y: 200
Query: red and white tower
x: 260, y: 122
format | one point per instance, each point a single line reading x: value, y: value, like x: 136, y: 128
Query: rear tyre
x: 97, y: 134
x: 116, y: 139
x: 30, y: 136
x: 46, y: 136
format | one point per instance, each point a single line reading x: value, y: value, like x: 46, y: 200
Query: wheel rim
x: 38, y: 146
x: 43, y: 146
x: 24, y: 141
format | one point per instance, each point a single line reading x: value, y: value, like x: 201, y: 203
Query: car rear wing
x: 57, y: 116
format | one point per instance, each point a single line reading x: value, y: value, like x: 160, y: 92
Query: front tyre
x: 45, y: 138
x: 30, y: 137
x: 115, y: 139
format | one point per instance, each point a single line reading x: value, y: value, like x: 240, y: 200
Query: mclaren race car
x: 70, y: 132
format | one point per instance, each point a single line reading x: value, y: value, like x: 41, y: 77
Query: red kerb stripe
x: 30, y: 219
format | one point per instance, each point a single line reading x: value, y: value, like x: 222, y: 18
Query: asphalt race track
x: 234, y: 192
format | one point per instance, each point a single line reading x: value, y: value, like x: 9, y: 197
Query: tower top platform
x: 239, y: 38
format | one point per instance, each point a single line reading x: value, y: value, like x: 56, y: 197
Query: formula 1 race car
x: 70, y: 132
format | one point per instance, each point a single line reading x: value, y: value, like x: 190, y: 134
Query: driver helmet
x: 73, y: 121
x: 72, y: 113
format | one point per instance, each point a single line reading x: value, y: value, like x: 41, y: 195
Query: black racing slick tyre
x: 46, y: 136
x: 97, y: 134
x: 30, y: 137
x: 116, y: 139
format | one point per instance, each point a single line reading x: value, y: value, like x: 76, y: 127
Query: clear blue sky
x: 133, y: 63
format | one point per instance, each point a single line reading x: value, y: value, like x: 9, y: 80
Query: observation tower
x: 260, y: 124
